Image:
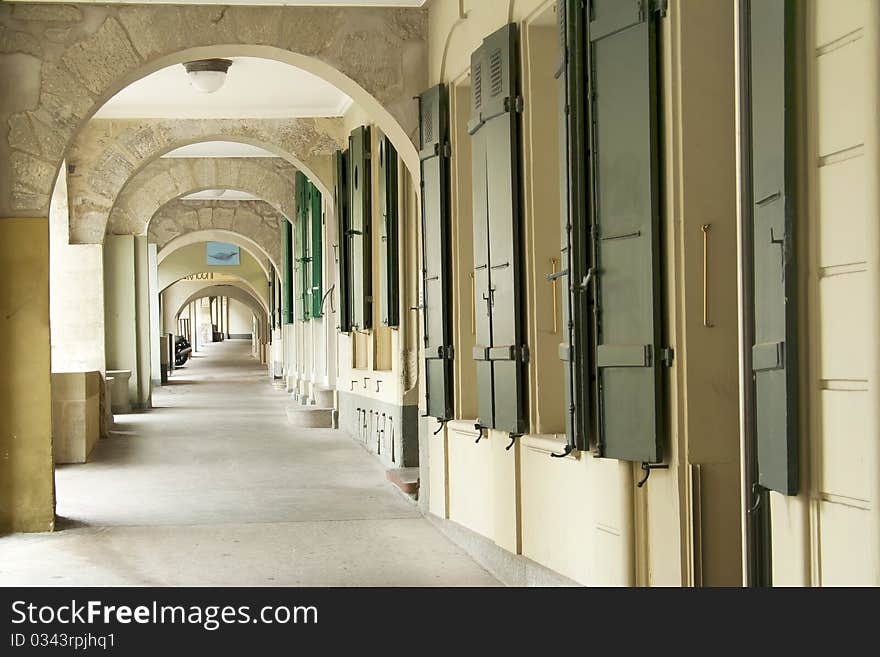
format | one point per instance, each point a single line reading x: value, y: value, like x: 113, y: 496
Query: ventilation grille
x: 496, y: 69
x: 478, y: 86
x: 428, y: 123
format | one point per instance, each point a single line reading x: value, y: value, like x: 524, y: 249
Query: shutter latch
x: 667, y: 354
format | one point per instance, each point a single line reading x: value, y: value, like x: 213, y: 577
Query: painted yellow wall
x: 27, y: 499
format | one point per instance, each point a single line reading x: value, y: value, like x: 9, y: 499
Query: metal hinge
x: 517, y: 105
x: 659, y: 7
x: 667, y: 355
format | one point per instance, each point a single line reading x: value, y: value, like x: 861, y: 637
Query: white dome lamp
x: 207, y: 75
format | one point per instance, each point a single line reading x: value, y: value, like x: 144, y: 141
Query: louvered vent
x: 496, y: 70
x: 428, y: 123
x: 478, y: 87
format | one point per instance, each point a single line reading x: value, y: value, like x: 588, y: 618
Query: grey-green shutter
x: 389, y: 306
x: 343, y: 241
x: 774, y: 354
x: 627, y: 230
x: 303, y: 287
x: 316, y: 232
x: 575, y: 256
x: 434, y: 153
x: 360, y: 230
x: 500, y: 352
x: 287, y: 267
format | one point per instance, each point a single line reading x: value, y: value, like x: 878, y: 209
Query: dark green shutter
x: 360, y: 230
x: 343, y: 252
x: 287, y: 273
x: 774, y: 354
x: 434, y: 153
x: 389, y: 306
x: 629, y: 353
x: 500, y: 353
x: 272, y: 293
x: 303, y: 287
x: 316, y: 231
x: 575, y: 261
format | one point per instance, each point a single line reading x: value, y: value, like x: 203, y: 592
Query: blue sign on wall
x: 221, y: 253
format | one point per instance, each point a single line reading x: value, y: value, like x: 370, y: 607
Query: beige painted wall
x: 191, y: 260
x: 241, y: 318
x: 27, y: 498
x: 828, y: 534
x: 76, y: 297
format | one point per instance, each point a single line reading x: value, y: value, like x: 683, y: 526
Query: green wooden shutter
x: 343, y: 252
x: 389, y: 306
x: 361, y: 219
x: 303, y: 287
x: 434, y: 153
x: 627, y: 238
x: 500, y: 352
x: 774, y: 354
x: 287, y: 271
x: 316, y: 231
x: 575, y: 256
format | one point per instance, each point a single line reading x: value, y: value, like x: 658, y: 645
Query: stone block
x: 119, y: 400
x: 76, y: 401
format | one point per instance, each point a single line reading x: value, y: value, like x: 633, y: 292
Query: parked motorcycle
x: 182, y: 351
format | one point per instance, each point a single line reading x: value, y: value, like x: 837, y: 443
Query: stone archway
x: 166, y: 180
x: 180, y: 223
x: 108, y: 152
x: 375, y: 55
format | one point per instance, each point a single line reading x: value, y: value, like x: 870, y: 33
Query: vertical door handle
x: 705, y: 230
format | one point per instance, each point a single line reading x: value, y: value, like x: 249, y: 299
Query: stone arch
x: 214, y: 235
x: 238, y: 281
x: 232, y: 291
x: 375, y: 55
x: 108, y: 152
x: 166, y: 180
x: 252, y: 225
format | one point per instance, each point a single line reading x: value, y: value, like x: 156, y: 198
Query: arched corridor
x: 214, y: 486
x: 597, y: 281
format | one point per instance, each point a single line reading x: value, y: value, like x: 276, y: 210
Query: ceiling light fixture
x: 207, y: 75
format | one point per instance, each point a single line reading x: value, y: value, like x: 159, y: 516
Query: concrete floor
x: 215, y: 487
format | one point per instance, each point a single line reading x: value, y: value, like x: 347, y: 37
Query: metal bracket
x: 513, y: 437
x: 667, y: 355
x: 647, y: 467
x: 565, y: 452
x: 479, y: 427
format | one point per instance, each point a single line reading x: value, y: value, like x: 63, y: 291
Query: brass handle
x: 473, y: 307
x: 553, y: 279
x: 705, y: 230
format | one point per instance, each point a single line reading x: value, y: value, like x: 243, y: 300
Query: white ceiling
x: 220, y: 195
x: 313, y: 3
x: 219, y: 149
x: 254, y: 88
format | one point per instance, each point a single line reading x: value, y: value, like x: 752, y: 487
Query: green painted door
x: 774, y: 353
x: 343, y: 241
x: 625, y: 172
x: 434, y: 153
x: 501, y: 353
